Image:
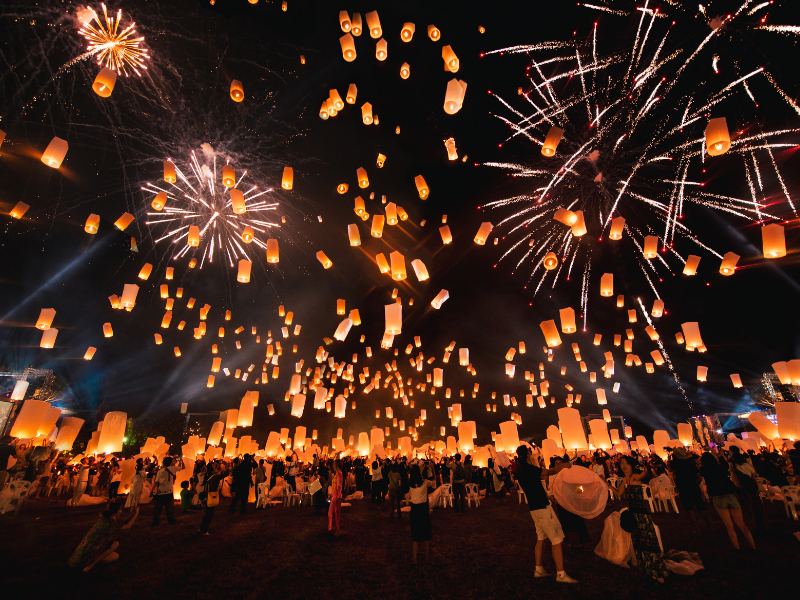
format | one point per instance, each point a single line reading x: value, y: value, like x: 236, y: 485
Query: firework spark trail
x: 196, y: 199
x: 116, y: 48
x: 665, y: 354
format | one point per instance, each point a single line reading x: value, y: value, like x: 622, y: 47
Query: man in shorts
x: 548, y: 527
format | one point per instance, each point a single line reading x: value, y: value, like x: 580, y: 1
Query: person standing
x: 162, y: 491
x: 377, y: 482
x: 394, y: 487
x: 548, y: 527
x: 723, y: 496
x: 115, y: 478
x: 242, y: 480
x: 209, y: 497
x: 459, y: 478
x: 335, y: 509
x: 421, y: 528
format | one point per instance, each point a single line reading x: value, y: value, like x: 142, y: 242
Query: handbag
x: 212, y: 499
x: 314, y: 486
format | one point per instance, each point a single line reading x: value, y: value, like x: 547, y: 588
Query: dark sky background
x: 748, y: 321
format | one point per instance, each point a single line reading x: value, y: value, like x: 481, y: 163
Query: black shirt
x: 530, y: 479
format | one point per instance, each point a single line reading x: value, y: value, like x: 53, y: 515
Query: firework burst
x: 229, y: 226
x: 631, y: 158
x: 115, y: 46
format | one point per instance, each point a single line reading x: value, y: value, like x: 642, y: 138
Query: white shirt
x: 165, y: 478
x: 419, y: 495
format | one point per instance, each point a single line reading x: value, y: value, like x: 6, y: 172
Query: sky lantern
x: 108, y: 331
x: 391, y: 213
x: 617, y: 227
x: 273, y: 251
x: 607, y: 285
x: 445, y: 234
x: 361, y: 176
x: 567, y: 316
x: 287, y: 180
x: 45, y: 319
x: 599, y: 431
x: 376, y: 230
x: 90, y: 352
x: 35, y: 419
x: 788, y: 414
x: 228, y: 176
x: 124, y: 220
x: 718, y: 140
x: 650, y: 246
x: 736, y: 380
x: 773, y: 241
x: 55, y: 152
x: 193, y: 236
x: 685, y: 434
x: 169, y: 172
x: 728, y: 265
x: 352, y: 94
x: 691, y: 334
x: 420, y: 270
x: 323, y: 259
x: 454, y: 96
x: 383, y: 264
x: 243, y: 274
x: 348, y: 47
x: 571, y: 426
x: 353, y: 234
x: 48, y: 340
x: 298, y: 405
x: 565, y: 216
x: 380, y: 160
x: 407, y: 32
x: 433, y: 33
x: 343, y: 329
x: 248, y: 235
x: 450, y: 146
x: 104, y: 82
x: 19, y: 210
x: 129, y: 293
x: 551, y: 141
x: 450, y: 59
x: 237, y: 91
x: 765, y: 427
x: 366, y: 114
x: 67, y: 433
x: 92, y: 225
x: 381, y: 50
x: 579, y: 227
x: 422, y: 187
x: 702, y: 374
x: 550, y: 332
x: 398, y: 263
x: 550, y: 261
x: 658, y: 308
x: 374, y: 24
x: 355, y: 24
x: 159, y: 201
x: 483, y: 233
x: 344, y: 21
x: 405, y: 71
x: 112, y: 433
x: 393, y: 316
x: 440, y: 299
x: 690, y: 268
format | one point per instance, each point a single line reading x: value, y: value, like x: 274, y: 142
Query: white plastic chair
x: 665, y: 497
x: 612, y: 487
x: 447, y: 495
x: 521, y: 493
x: 791, y: 500
x: 647, y: 496
x: 263, y: 495
x: 290, y: 497
x: 473, y: 494
x: 658, y: 537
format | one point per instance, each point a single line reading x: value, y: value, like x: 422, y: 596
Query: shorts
x: 548, y: 527
x: 728, y: 501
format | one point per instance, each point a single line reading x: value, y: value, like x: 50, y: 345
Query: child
x: 186, y: 498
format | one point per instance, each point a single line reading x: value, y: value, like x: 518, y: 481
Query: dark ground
x: 286, y: 553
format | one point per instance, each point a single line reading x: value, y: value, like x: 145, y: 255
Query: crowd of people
x: 731, y: 481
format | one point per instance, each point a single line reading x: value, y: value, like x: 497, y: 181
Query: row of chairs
x: 472, y: 496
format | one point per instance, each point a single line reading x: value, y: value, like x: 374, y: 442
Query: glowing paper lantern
x: 483, y: 233
x: 366, y: 118
x: 381, y: 50
x: 650, y: 248
x: 67, y: 433
x: 55, y: 152
x: 348, y: 45
x: 550, y: 261
x: 19, y: 210
x: 398, y: 263
x: 617, y: 227
x: 420, y: 270
x: 243, y: 274
x: 237, y: 91
x: 550, y: 332
x: 20, y: 388
x: 298, y: 405
x: 599, y: 431
x: 124, y: 220
x: 422, y: 187
x: 323, y: 259
x: 718, y: 140
x: 287, y: 180
x: 685, y: 434
x: 691, y: 335
x: 567, y: 317
x: 343, y: 329
x: 344, y: 21
x: 374, y: 24
x: 773, y: 241
x: 440, y: 299
x: 112, y: 433
x: 658, y: 308
x: 579, y: 227
x: 454, y: 96
x: 45, y: 319
x: 104, y: 82
x: 35, y: 419
x: 728, y: 265
x: 607, y: 285
x: 273, y: 251
x: 736, y: 380
x: 169, y: 172
x: 92, y: 224
x: 446, y: 235
x: 692, y: 262
x: 450, y: 59
x: 393, y: 316
x: 764, y: 426
x: 571, y: 426
x: 551, y: 141
x: 383, y: 264
x: 48, y: 340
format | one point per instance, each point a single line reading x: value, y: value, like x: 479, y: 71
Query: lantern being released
x: 204, y: 221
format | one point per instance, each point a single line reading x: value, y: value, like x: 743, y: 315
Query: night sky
x: 117, y: 144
